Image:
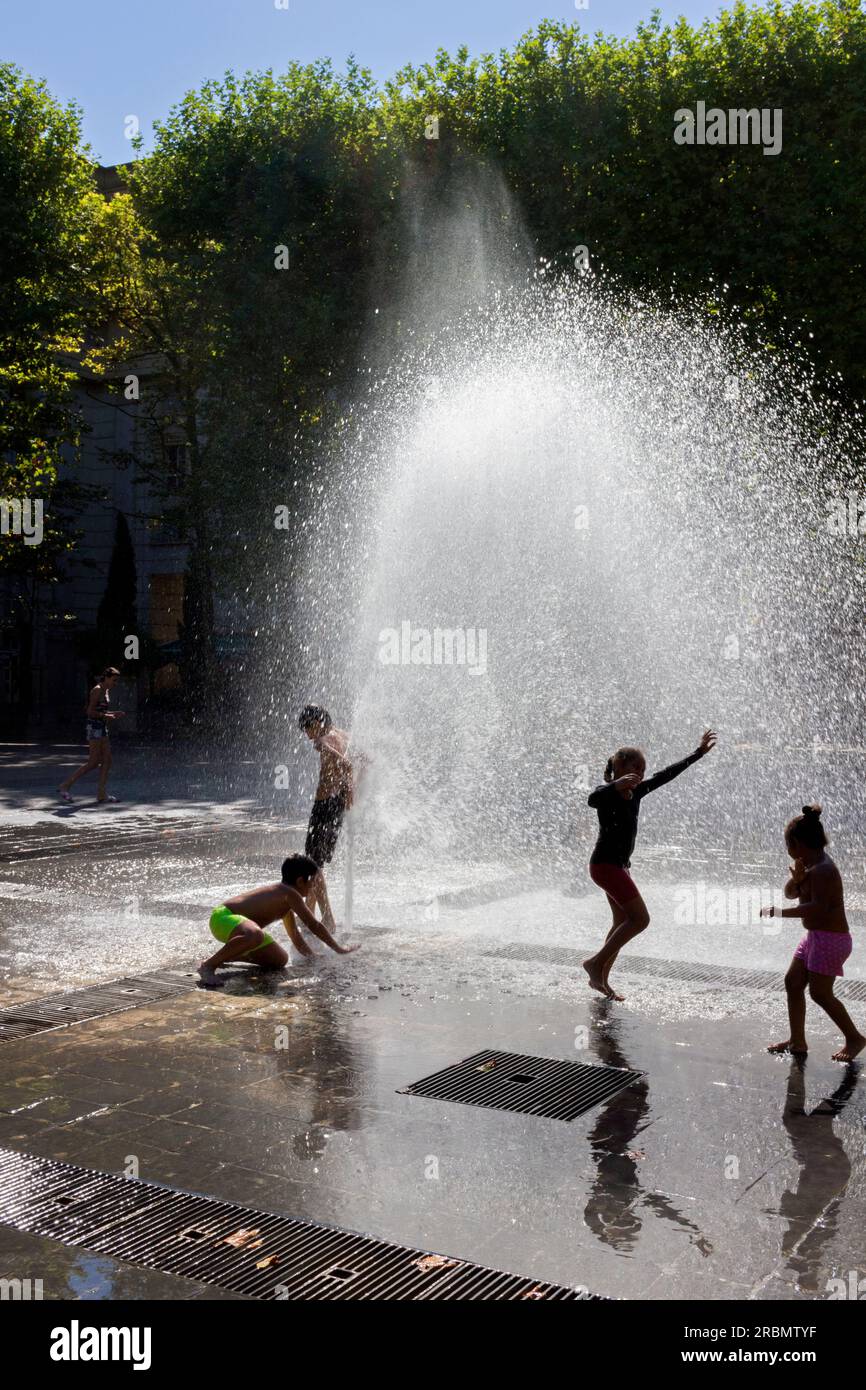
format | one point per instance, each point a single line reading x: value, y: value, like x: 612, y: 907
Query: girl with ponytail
x: 617, y: 802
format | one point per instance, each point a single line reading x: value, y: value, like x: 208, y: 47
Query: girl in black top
x: 617, y: 802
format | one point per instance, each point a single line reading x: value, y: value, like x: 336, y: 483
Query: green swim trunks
x: 223, y: 923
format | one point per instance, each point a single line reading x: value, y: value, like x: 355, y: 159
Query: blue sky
x: 138, y: 57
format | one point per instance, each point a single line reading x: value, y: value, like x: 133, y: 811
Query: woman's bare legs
x: 94, y: 759
x: 635, y: 919
x: 104, y: 768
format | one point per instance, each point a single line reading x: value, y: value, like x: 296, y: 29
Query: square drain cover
x: 529, y: 1085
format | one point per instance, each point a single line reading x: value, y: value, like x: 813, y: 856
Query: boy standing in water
x: 817, y: 883
x: 240, y: 922
x: 334, y: 795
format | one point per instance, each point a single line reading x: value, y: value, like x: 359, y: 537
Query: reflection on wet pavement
x: 616, y: 1198
x: 723, y: 1173
x: 812, y: 1209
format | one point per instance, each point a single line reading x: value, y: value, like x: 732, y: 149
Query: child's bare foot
x: 611, y: 993
x: 596, y: 979
x: 347, y: 950
x: 851, y: 1049
x: 208, y: 976
x: 796, y: 1049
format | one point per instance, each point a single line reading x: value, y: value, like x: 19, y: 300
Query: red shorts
x: 616, y: 881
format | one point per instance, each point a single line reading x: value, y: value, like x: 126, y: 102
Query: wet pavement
x: 152, y: 783
x: 722, y: 1173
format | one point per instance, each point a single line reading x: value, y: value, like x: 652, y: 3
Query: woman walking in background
x: 98, y: 717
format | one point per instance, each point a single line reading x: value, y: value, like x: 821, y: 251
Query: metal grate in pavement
x: 77, y: 1006
x: 259, y: 1254
x: 541, y: 1086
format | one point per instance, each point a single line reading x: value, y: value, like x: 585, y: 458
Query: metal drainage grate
x: 530, y: 1085
x: 98, y: 1001
x: 713, y: 976
x: 237, y: 1248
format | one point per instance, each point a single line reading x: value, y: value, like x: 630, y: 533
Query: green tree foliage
x: 53, y: 286
x: 45, y: 217
x: 50, y: 292
x: 250, y: 357
x: 583, y: 130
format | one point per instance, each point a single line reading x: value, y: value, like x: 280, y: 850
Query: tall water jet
x: 573, y: 517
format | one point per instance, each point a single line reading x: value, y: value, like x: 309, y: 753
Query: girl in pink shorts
x: 820, y: 956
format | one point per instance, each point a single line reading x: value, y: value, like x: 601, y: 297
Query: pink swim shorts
x: 615, y: 881
x: 823, y: 952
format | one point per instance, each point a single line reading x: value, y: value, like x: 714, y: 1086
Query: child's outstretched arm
x: 667, y: 774
x: 300, y: 909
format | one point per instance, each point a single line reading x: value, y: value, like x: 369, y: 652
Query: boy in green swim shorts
x: 240, y: 922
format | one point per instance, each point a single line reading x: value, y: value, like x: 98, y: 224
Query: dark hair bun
x: 812, y: 811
